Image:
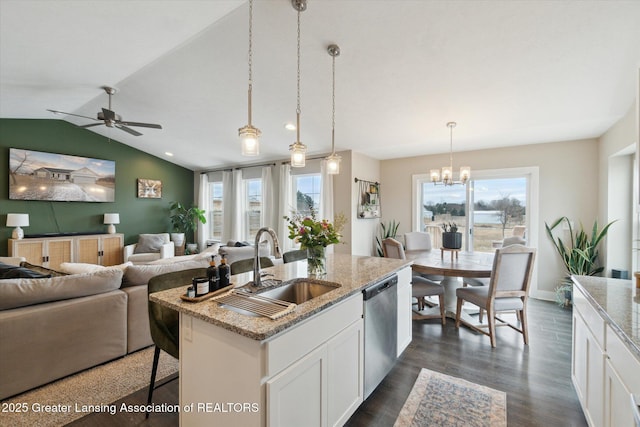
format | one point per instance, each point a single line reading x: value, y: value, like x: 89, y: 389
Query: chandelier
x: 249, y: 135
x: 447, y: 171
x: 298, y: 149
x: 333, y: 160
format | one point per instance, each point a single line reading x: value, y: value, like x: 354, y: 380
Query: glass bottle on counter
x: 225, y: 272
x: 213, y: 275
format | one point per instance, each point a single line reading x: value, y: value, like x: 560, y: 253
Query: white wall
x: 364, y: 230
x: 568, y: 183
x: 342, y: 201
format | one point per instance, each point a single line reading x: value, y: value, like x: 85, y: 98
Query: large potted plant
x: 185, y: 220
x: 451, y: 238
x: 579, y: 255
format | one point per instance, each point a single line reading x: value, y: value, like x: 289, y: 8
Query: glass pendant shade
x: 447, y: 174
x: 465, y: 173
x: 298, y: 154
x: 333, y: 164
x: 249, y: 140
x: 435, y: 175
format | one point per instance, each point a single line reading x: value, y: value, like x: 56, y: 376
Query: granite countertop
x: 618, y: 302
x: 354, y: 273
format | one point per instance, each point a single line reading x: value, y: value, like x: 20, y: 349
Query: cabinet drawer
x: 591, y: 318
x: 283, y: 350
x: 623, y: 361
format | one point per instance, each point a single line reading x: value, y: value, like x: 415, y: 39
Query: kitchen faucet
x: 257, y: 278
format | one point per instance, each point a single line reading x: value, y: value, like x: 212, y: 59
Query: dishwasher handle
x: 379, y: 287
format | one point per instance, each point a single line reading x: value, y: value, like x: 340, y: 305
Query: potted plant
x: 385, y: 232
x: 451, y: 238
x: 185, y: 220
x: 579, y: 255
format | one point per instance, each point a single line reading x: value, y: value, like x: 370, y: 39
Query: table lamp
x: 17, y: 221
x: 111, y: 219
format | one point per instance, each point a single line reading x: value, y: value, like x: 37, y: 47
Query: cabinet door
x: 618, y: 399
x: 112, y: 247
x: 88, y: 249
x: 404, y: 310
x: 31, y: 250
x: 579, y: 358
x: 345, y: 374
x: 297, y: 396
x: 58, y: 251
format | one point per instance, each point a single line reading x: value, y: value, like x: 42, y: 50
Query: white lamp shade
x: 17, y: 220
x: 112, y: 218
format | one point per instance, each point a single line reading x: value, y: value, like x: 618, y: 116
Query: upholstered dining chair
x: 420, y: 286
x: 417, y: 243
x: 164, y: 323
x: 245, y: 265
x: 508, y: 290
x: 294, y: 255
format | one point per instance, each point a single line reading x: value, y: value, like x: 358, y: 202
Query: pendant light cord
x: 333, y: 107
x: 250, y: 58
x: 298, y: 111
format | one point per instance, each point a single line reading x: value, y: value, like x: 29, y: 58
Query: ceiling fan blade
x: 129, y: 130
x: 70, y: 114
x: 92, y: 125
x: 144, y: 125
x: 108, y: 114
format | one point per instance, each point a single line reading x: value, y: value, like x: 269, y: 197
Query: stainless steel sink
x: 300, y: 290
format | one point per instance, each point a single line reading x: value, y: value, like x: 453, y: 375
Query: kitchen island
x: 305, y: 368
x: 605, y: 358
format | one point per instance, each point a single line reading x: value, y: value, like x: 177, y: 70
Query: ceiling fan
x: 109, y: 118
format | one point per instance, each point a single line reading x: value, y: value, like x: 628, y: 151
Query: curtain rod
x: 364, y: 180
x: 230, y: 168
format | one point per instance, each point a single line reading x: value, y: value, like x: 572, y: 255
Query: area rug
x: 442, y: 400
x: 100, y: 386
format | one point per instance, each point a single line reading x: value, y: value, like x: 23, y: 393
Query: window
x: 215, y: 211
x: 253, y: 206
x: 306, y: 190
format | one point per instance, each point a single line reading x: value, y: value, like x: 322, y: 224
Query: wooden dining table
x: 454, y: 269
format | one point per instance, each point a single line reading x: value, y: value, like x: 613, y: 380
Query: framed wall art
x: 37, y: 175
x: 149, y: 188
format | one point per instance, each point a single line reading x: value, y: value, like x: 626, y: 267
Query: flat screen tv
x: 36, y: 175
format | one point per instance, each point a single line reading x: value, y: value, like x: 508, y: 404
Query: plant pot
x: 452, y: 240
x: 178, y: 239
x: 192, y: 248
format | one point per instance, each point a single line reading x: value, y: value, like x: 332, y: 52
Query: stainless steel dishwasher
x: 380, y: 331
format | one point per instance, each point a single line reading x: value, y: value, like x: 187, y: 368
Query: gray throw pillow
x: 149, y: 243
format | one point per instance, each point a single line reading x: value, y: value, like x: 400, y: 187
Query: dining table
x: 453, y: 269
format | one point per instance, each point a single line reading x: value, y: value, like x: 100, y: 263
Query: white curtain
x: 203, y: 203
x: 227, y: 206
x: 285, y: 206
x: 326, y: 197
x: 268, y: 210
x: 238, y: 207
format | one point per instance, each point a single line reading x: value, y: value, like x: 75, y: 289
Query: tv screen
x: 36, y: 175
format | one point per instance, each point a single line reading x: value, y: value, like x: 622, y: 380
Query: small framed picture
x: 149, y: 188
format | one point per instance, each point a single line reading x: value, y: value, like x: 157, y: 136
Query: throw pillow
x: 43, y: 270
x: 8, y: 271
x: 149, y: 243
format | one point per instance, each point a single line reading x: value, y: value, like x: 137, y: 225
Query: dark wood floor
x: 536, y: 378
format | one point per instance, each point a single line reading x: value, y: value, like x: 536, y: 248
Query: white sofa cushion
x: 23, y: 292
x: 80, y: 267
x: 140, y: 274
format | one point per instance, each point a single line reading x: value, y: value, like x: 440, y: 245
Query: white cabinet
x: 622, y: 377
x: 404, y: 309
x: 587, y: 369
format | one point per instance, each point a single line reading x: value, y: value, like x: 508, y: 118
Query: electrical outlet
x: 187, y: 328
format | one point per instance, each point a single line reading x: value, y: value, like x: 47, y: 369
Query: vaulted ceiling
x: 509, y: 73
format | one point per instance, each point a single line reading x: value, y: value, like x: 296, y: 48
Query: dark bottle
x: 212, y: 275
x: 224, y: 272
x: 201, y: 285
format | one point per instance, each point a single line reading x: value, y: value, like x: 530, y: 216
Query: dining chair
x: 417, y: 243
x: 294, y: 255
x: 245, y: 265
x: 164, y: 323
x: 420, y: 287
x: 508, y: 290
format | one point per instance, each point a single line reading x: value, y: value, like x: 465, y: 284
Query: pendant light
x: 249, y: 135
x: 447, y: 171
x: 298, y: 149
x: 333, y: 160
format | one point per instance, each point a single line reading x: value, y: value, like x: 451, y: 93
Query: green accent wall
x: 136, y: 215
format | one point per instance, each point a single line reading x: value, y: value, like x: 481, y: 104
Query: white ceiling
x: 509, y: 72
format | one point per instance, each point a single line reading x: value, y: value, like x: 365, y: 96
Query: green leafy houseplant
x: 386, y: 231
x: 185, y: 220
x: 579, y: 255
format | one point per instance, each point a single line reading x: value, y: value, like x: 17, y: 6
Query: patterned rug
x: 99, y: 386
x: 441, y: 400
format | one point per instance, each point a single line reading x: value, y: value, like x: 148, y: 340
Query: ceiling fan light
x: 333, y: 164
x: 298, y: 154
x: 250, y: 140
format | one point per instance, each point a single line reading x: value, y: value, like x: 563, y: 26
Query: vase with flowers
x: 314, y: 236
